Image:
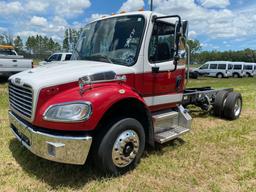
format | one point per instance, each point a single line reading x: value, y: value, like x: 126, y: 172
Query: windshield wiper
x: 99, y: 57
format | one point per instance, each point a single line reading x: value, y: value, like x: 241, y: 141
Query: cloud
x: 39, y: 21
x: 37, y: 6
x: 68, y: 8
x: 25, y: 34
x: 214, y: 23
x: 96, y: 16
x: 8, y: 8
x: 132, y: 5
x: 215, y: 3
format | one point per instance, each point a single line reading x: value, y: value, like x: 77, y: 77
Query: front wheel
x: 122, y: 147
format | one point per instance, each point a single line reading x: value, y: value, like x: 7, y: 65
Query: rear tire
x: 218, y: 105
x: 121, y: 148
x: 219, y: 75
x: 233, y: 106
x: 236, y: 75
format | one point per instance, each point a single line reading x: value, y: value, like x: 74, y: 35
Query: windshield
x: 115, y: 40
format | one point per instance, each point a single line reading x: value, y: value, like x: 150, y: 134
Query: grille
x: 21, y: 99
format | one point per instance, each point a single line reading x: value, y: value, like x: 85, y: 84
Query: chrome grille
x: 21, y: 99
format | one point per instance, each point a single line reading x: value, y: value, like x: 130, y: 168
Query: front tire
x: 122, y: 147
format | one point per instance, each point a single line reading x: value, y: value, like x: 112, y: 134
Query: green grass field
x: 217, y: 155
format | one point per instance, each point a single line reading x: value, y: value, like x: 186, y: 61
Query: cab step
x: 170, y: 134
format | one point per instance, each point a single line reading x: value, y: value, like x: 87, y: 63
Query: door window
x: 213, y: 66
x: 161, y: 47
x: 204, y: 66
x: 230, y: 66
x: 55, y: 57
x: 222, y: 66
x: 237, y: 67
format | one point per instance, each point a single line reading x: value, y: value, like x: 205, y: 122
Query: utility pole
x: 151, y: 5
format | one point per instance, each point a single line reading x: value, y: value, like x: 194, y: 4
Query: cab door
x: 161, y: 85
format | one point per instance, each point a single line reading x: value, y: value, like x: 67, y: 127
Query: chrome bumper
x: 64, y: 149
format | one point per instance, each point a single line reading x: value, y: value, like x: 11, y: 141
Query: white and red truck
x: 123, y: 90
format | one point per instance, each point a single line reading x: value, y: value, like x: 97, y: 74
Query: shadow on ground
x: 64, y: 175
x: 55, y: 174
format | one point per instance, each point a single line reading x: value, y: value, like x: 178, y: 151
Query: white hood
x: 65, y: 72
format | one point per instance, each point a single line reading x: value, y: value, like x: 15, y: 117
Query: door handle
x: 15, y: 65
x: 14, y: 60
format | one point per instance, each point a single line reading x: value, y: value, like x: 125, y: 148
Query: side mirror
x: 46, y: 60
x: 184, y: 28
x: 177, y: 42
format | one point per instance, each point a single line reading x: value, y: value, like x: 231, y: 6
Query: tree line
x: 198, y: 56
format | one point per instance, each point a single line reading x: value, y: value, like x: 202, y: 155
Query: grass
x: 217, y: 155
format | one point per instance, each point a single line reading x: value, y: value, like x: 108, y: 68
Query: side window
x: 230, y: 66
x: 222, y: 66
x: 248, y: 67
x: 238, y: 67
x: 161, y: 47
x: 52, y: 58
x: 213, y: 66
x: 68, y: 56
x: 59, y: 57
x: 204, y: 66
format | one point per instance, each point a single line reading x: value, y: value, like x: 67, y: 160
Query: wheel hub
x: 125, y: 148
x: 237, y: 108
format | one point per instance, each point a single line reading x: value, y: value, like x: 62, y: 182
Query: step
x: 170, y: 134
x: 165, y: 120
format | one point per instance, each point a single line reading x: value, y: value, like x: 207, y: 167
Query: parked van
x: 238, y: 69
x: 249, y: 69
x: 217, y: 69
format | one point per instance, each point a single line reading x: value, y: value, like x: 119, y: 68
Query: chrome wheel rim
x: 125, y: 148
x: 237, y: 108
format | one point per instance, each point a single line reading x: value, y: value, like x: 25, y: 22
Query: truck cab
x: 57, y: 57
x: 123, y: 90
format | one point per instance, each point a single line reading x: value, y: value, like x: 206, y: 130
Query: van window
x: 204, y: 66
x: 248, y: 67
x: 230, y: 66
x: 213, y: 66
x: 222, y: 66
x: 237, y: 67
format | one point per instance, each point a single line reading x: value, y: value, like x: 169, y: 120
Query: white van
x: 249, y: 69
x: 217, y: 69
x: 238, y: 69
x: 254, y: 70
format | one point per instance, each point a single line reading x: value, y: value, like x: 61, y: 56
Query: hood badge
x: 17, y: 80
x: 103, y: 77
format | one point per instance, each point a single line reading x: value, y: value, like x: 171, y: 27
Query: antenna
x: 151, y: 5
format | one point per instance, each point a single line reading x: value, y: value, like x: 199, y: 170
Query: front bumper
x: 64, y: 149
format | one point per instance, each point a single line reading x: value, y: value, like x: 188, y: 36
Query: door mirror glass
x: 184, y: 28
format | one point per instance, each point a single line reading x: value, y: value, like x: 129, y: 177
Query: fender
x: 101, y: 96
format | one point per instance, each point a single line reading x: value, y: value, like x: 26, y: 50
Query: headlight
x: 68, y: 112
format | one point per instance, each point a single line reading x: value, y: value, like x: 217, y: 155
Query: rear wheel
x: 233, y: 106
x: 122, y: 147
x: 235, y: 75
x: 219, y: 75
x: 218, y: 105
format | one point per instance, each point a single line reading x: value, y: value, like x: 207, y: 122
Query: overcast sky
x: 218, y: 24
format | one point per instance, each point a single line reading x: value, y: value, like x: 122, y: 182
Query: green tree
x: 18, y: 44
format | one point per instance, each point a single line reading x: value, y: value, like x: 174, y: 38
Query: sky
x: 217, y: 24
